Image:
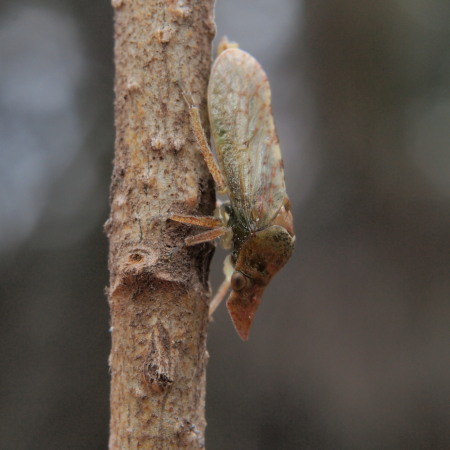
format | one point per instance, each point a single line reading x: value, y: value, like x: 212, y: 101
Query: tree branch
x: 158, y: 287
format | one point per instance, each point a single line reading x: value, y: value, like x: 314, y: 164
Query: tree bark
x: 158, y: 290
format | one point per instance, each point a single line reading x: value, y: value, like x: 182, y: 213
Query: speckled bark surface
x: 158, y: 288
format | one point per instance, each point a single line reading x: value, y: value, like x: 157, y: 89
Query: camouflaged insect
x: 256, y: 224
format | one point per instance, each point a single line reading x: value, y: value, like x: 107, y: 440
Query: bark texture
x: 158, y: 290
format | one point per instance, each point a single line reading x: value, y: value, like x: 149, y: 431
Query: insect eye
x: 238, y: 281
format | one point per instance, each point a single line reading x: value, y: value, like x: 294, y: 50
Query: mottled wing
x: 244, y: 137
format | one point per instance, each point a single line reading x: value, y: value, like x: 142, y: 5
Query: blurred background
x: 350, y: 347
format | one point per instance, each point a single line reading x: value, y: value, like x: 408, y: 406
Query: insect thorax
x: 264, y: 253
x: 241, y: 232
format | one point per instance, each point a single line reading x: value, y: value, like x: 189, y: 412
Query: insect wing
x: 244, y: 137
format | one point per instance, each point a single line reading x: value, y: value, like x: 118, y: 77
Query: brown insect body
x: 257, y: 219
x: 261, y: 256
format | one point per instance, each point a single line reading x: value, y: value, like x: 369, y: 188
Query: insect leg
x: 228, y: 270
x: 201, y: 221
x: 202, y: 142
x: 206, y: 236
x: 220, y: 295
x: 216, y: 225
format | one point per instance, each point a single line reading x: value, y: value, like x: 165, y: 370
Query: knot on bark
x: 190, y: 436
x: 158, y: 372
x: 158, y: 381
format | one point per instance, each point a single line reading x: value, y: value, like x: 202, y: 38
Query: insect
x: 256, y: 224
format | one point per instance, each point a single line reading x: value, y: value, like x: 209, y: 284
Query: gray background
x: 350, y: 348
